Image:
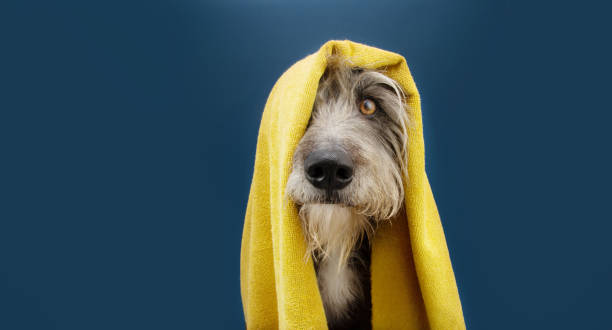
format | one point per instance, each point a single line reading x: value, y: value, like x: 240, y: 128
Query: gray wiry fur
x: 377, y: 145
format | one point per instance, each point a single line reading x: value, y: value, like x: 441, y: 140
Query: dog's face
x: 353, y: 152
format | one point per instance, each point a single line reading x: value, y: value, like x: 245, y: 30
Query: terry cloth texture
x: 413, y: 285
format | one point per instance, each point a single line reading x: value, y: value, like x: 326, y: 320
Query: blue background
x: 128, y: 132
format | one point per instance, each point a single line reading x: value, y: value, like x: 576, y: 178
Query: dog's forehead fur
x: 340, y: 91
x: 342, y: 83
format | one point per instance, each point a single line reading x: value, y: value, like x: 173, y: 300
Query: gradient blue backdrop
x: 128, y: 131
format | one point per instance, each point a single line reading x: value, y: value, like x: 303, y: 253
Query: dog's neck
x: 333, y: 233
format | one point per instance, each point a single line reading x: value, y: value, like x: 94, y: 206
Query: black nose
x: 329, y: 169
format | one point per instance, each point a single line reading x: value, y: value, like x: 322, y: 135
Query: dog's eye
x: 367, y: 107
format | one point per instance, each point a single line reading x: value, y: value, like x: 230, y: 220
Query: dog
x: 346, y: 178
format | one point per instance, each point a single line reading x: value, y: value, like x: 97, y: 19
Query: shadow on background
x: 128, y: 131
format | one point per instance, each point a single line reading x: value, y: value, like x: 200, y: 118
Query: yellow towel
x: 413, y: 285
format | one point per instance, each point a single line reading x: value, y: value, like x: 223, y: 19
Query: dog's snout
x: 329, y: 169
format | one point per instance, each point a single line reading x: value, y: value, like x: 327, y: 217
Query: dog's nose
x: 329, y: 169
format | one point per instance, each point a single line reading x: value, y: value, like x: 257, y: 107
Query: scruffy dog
x: 347, y: 177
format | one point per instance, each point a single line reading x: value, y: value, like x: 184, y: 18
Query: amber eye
x: 367, y: 107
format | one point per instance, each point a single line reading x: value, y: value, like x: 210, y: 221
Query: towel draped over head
x: 413, y: 285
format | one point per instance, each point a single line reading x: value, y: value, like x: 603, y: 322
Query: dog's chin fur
x: 332, y: 231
